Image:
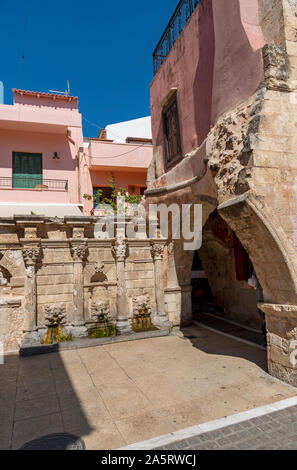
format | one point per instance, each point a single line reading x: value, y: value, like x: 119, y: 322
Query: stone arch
x: 268, y: 248
x: 12, y: 261
x: 270, y: 251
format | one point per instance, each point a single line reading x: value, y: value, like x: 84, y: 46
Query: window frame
x: 100, y: 187
x: 170, y: 162
x: 14, y: 174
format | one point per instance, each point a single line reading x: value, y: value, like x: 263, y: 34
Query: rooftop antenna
x: 66, y: 92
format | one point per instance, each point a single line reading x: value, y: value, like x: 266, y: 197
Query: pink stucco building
x: 46, y: 166
x: 41, y: 134
x: 208, y: 60
x: 122, y: 153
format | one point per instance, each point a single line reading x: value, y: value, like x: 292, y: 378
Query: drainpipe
x: 78, y: 176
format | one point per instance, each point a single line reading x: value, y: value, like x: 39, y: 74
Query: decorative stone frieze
x: 83, y: 284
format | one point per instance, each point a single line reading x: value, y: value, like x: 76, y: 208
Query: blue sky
x: 103, y: 47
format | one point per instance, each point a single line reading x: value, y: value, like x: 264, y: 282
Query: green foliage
x: 112, y: 200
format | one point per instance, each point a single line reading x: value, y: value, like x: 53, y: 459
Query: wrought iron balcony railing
x: 36, y: 182
x: 179, y: 20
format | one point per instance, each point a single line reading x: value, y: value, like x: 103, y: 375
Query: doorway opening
x: 221, y: 296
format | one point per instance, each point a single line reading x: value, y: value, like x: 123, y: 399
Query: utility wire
x: 120, y: 155
x: 24, y: 41
x: 120, y: 137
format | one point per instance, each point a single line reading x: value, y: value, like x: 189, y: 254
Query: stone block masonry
x: 74, y: 274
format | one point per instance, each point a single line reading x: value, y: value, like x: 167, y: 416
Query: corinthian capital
x: 79, y: 252
x: 31, y: 255
x: 120, y: 250
x: 157, y: 251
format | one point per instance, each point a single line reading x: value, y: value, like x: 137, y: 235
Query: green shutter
x: 26, y: 170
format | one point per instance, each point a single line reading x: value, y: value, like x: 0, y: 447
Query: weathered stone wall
x: 59, y: 266
x: 250, y: 175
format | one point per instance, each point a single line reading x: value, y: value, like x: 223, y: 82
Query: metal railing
x: 25, y: 182
x: 176, y: 25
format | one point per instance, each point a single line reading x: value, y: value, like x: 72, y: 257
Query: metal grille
x: 25, y: 182
x: 180, y: 18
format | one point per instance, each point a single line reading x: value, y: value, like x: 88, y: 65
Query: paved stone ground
x: 229, y: 328
x: 274, y: 431
x: 123, y: 393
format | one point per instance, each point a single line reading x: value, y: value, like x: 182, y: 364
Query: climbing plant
x: 112, y: 200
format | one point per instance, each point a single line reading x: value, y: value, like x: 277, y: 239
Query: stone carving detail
x: 99, y: 267
x: 171, y: 248
x: 292, y: 334
x: 31, y: 232
x: 31, y: 255
x: 157, y: 251
x: 3, y: 280
x: 141, y: 305
x: 79, y: 252
x: 120, y: 250
x: 55, y: 316
x: 78, y: 232
x: 100, y: 311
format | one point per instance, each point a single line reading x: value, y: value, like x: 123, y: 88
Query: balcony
x: 176, y: 25
x: 25, y: 182
x: 103, y: 154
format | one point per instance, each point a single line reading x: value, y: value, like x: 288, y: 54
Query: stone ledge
x: 81, y: 343
x: 280, y: 310
x: 10, y: 302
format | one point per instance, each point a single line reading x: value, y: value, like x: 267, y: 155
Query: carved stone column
x: 161, y: 318
x: 173, y: 289
x: 124, y: 323
x: 79, y: 252
x: 31, y: 255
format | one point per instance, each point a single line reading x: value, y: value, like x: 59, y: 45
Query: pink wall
x: 213, y: 64
x: 46, y: 144
x: 120, y: 155
x: 42, y: 125
x: 126, y: 164
x: 39, y: 123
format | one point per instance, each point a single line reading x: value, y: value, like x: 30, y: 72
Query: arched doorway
x: 274, y: 260
x: 220, y: 284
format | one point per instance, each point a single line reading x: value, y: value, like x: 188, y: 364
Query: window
x: 142, y: 189
x: 106, y: 193
x: 172, y: 137
x: 136, y: 190
x: 26, y: 170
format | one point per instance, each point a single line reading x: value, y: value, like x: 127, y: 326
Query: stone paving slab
x: 117, y: 394
x: 273, y: 431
